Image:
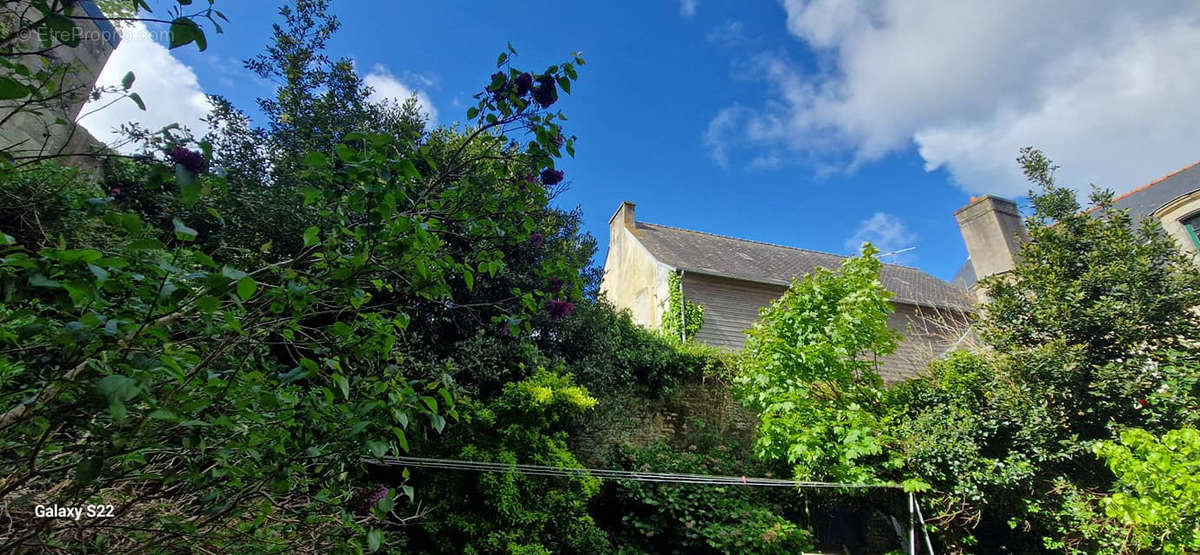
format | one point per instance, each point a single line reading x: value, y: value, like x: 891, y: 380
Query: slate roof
x: 694, y: 251
x: 1144, y: 200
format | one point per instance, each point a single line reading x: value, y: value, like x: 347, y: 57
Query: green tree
x: 1091, y: 333
x: 810, y: 371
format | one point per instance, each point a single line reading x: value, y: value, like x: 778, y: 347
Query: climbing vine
x: 692, y: 313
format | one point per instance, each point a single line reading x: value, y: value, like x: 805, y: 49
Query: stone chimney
x: 622, y: 217
x: 992, y: 231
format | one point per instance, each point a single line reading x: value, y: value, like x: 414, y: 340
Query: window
x: 1192, y: 225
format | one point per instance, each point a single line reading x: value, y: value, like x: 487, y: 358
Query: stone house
x: 48, y: 127
x: 734, y: 278
x: 992, y: 228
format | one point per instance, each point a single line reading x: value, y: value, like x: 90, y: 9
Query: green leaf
x: 377, y: 448
x: 438, y: 422
x: 472, y: 112
x: 501, y: 59
x: 374, y: 540
x: 311, y: 236
x: 62, y: 28
x: 39, y: 280
x: 137, y: 99
x: 401, y: 438
x: 11, y: 89
x: 127, y: 80
x: 246, y: 287
x: 185, y: 31
x: 183, y: 232
x: 315, y: 160
x: 343, y: 385
x: 232, y: 273
x: 208, y: 304
x: 6, y: 239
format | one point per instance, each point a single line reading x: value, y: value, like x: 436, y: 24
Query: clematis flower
x: 551, y: 176
x: 368, y: 498
x: 559, y: 309
x: 190, y: 160
x: 545, y: 93
x: 537, y: 239
x: 524, y: 83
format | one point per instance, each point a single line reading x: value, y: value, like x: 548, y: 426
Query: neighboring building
x: 734, y: 278
x: 49, y: 128
x: 992, y: 228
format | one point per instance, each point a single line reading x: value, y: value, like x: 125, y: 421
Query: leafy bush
x: 512, y: 512
x: 230, y: 406
x: 690, y: 518
x: 1158, y: 488
x: 607, y: 352
x: 45, y: 203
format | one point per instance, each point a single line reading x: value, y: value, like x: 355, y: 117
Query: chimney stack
x: 992, y: 231
x: 623, y: 217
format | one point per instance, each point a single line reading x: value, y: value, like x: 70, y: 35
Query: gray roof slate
x: 1144, y: 200
x: 695, y: 251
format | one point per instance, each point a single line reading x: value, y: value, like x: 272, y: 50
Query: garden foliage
x: 1092, y: 334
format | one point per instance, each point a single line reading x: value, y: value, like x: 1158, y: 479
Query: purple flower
x: 551, y: 176
x: 545, y: 93
x: 556, y: 285
x: 559, y: 309
x: 366, y: 499
x: 190, y: 160
x: 524, y: 83
x: 504, y: 331
x: 537, y: 240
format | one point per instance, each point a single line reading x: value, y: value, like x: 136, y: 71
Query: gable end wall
x: 731, y: 306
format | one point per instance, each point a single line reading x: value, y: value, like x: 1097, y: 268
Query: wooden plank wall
x: 731, y: 307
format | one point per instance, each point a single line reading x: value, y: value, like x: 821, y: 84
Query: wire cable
x: 661, y: 477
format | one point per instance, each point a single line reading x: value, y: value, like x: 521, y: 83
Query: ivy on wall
x: 692, y: 314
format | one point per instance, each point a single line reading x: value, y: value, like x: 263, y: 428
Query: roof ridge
x: 1147, y: 186
x: 1159, y: 180
x: 776, y: 245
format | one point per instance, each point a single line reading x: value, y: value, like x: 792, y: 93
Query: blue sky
x: 813, y: 124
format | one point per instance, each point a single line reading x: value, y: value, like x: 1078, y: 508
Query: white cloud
x: 1106, y: 88
x: 727, y: 34
x: 167, y: 86
x: 385, y: 87
x: 720, y: 128
x: 687, y: 8
x: 888, y: 234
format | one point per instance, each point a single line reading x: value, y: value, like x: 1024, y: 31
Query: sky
x: 816, y: 124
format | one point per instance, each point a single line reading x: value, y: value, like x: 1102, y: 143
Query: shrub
x: 513, y: 512
x: 691, y: 518
x: 1158, y: 488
